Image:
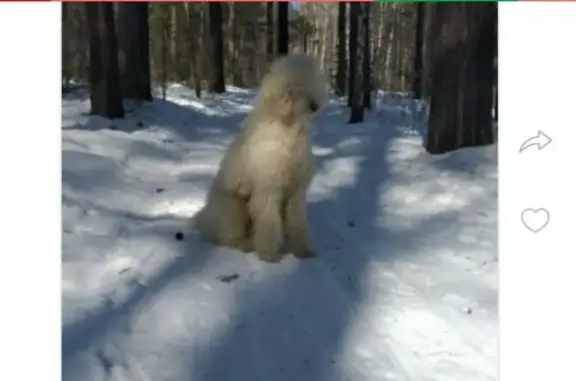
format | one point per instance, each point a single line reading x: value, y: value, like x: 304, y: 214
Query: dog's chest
x: 289, y: 161
x: 298, y: 165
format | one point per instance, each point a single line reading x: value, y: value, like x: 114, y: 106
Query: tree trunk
x: 357, y: 13
x: 217, y: 84
x: 165, y: 51
x: 398, y: 73
x: 366, y: 69
x: 182, y: 65
x: 172, y: 47
x: 66, y: 56
x: 270, y: 32
x: 282, y: 28
x: 378, y: 50
x: 323, y: 36
x: 418, y: 54
x: 105, y: 92
x: 133, y: 41
x: 194, y: 23
x: 496, y: 94
x: 429, y: 12
x: 462, y: 76
x: 231, y: 62
x: 495, y: 41
x: 352, y: 50
x: 388, y: 70
x: 341, y: 71
x: 485, y: 57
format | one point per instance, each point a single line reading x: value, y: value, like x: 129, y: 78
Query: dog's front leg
x: 297, y: 226
x: 267, y: 224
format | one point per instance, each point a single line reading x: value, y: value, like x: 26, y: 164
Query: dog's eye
x: 313, y: 106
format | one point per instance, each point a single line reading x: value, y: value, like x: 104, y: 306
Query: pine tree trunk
x: 205, y: 52
x: 418, y: 54
x: 378, y: 50
x: 165, y: 51
x: 96, y: 68
x: 316, y: 35
x: 193, y: 25
x: 270, y: 31
x: 217, y: 85
x: 352, y: 50
x: 388, y: 69
x: 366, y: 69
x: 427, y: 49
x: 341, y: 71
x: 397, y: 56
x: 462, y: 76
x: 495, y: 41
x: 231, y: 62
x: 182, y: 66
x: 486, y: 78
x: 282, y: 28
x: 133, y: 41
x: 357, y: 12
x: 324, y: 43
x: 496, y: 94
x: 66, y: 56
x: 105, y: 92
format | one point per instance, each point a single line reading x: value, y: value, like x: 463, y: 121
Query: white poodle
x: 257, y: 201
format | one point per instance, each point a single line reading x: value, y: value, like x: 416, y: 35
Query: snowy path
x: 404, y: 284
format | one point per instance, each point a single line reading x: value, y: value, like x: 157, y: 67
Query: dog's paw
x: 304, y: 253
x: 242, y: 244
x: 284, y: 249
x: 245, y: 246
x: 269, y: 257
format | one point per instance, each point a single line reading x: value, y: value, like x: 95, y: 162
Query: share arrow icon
x: 541, y: 140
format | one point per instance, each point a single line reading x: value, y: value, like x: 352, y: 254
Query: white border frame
x: 537, y: 71
x: 537, y: 68
x: 30, y: 193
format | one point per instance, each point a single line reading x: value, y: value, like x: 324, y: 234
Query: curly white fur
x: 257, y: 201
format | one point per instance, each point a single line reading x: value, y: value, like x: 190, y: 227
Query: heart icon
x: 535, y: 219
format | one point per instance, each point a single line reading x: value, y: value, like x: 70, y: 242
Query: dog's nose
x: 313, y: 106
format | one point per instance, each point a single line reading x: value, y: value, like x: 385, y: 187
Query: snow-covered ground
x: 404, y: 285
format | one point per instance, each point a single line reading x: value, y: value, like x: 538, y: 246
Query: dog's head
x: 294, y: 89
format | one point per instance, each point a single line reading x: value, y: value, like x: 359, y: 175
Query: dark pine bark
x: 66, y: 62
x: 486, y: 51
x: 134, y: 48
x: 462, y: 76
x: 341, y: 69
x: 217, y: 84
x: 270, y: 31
x: 305, y: 40
x: 366, y: 69
x: 282, y: 28
x: 352, y: 49
x: 192, y: 20
x: 105, y: 92
x: 419, y: 53
x: 357, y: 12
x: 495, y: 41
x: 496, y: 97
x: 427, y: 49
